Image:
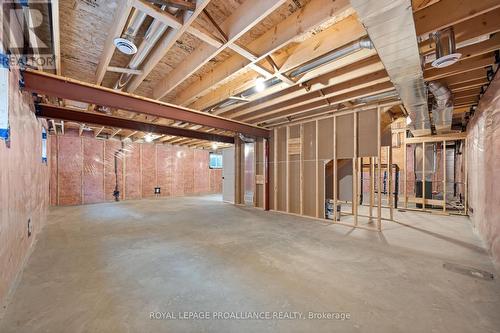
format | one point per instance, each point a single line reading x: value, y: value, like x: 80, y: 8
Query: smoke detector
x: 125, y: 46
x: 446, y: 53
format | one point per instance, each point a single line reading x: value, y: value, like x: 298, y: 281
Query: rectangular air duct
x: 391, y: 28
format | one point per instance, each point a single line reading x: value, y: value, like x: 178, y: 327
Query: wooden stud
x: 423, y: 176
x: 317, y: 170
x: 379, y: 163
x: 140, y: 169
x: 301, y: 170
x: 355, y: 196
x: 466, y: 176
x: 275, y: 189
x: 372, y: 186
x: 104, y: 169
x: 287, y: 171
x: 57, y: 167
x: 444, y: 175
x: 335, y: 173
x: 389, y: 182
x: 405, y: 173
x: 124, y: 173
x: 82, y: 199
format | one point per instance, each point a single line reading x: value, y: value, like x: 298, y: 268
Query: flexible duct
x: 442, y: 108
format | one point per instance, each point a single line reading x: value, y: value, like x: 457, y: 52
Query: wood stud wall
x: 408, y: 142
x: 302, y: 152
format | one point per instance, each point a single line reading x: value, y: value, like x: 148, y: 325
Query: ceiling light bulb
x: 215, y: 145
x: 260, y: 84
x: 408, y: 120
x: 148, y: 137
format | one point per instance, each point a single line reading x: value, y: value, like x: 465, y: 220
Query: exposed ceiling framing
x: 213, y: 51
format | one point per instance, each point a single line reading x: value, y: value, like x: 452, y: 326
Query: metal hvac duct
x: 125, y: 43
x: 391, y: 29
x: 446, y: 50
x: 153, y: 34
x: 362, y: 43
x: 442, y: 108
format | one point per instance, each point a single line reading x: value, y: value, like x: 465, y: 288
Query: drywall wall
x: 24, y: 180
x: 483, y: 163
x: 87, y: 170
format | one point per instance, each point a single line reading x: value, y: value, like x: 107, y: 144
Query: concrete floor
x: 105, y: 267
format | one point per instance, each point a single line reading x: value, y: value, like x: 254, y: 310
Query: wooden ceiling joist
x: 460, y: 67
x: 56, y: 86
x: 476, y: 74
x: 468, y: 85
x: 331, y: 92
x: 313, y: 15
x: 484, y: 24
x: 180, y: 4
x: 349, y: 72
x: 263, y: 116
x: 158, y: 14
x: 119, y: 21
x: 61, y: 113
x: 340, y: 34
x: 239, y: 22
x: 449, y: 12
x: 166, y: 44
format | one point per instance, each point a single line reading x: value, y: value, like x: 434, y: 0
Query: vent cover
x: 446, y: 60
x: 446, y: 54
x: 125, y: 46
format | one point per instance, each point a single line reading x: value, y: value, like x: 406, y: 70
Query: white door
x: 228, y: 175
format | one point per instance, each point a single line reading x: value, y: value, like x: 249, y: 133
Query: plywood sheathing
x: 83, y: 34
x: 220, y: 10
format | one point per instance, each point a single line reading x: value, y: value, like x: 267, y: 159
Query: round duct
x: 125, y: 46
x: 446, y: 53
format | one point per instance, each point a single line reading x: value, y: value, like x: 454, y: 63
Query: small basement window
x: 44, y: 145
x: 215, y: 161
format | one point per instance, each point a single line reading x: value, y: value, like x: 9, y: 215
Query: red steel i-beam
x: 57, y: 86
x: 61, y: 113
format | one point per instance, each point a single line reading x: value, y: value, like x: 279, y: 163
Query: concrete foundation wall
x: 24, y: 184
x: 83, y: 170
x: 483, y: 162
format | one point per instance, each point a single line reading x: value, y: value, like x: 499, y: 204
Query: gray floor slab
x: 107, y: 267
